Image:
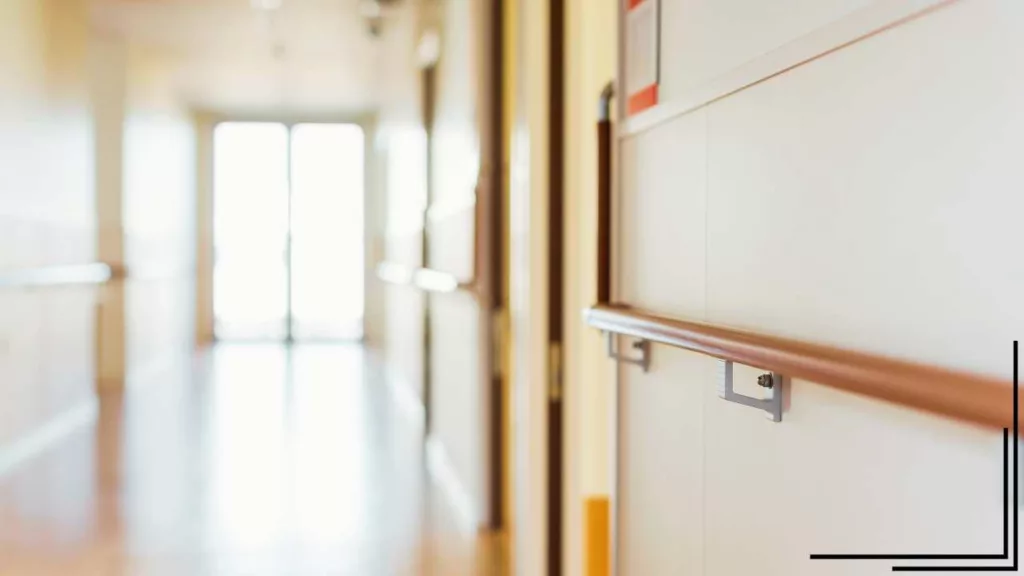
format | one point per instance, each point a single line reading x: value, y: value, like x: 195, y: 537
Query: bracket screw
x: 766, y: 381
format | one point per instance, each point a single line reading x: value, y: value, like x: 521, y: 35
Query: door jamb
x: 209, y: 124
x: 556, y: 287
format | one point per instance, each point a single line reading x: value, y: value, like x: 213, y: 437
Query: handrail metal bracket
x: 644, y: 346
x: 772, y: 381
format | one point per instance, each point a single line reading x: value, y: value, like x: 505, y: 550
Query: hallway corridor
x: 263, y: 461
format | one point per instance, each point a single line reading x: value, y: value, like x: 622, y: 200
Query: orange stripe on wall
x: 643, y: 99
x: 597, y: 549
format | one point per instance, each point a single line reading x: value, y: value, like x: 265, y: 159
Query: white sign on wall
x: 642, y: 43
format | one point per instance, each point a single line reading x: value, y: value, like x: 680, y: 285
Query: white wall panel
x: 459, y: 395
x: 703, y: 39
x: 402, y: 145
x: 159, y: 218
x: 459, y: 391
x: 47, y: 213
x: 452, y: 241
x: 853, y: 199
x: 660, y: 489
x: 842, y: 474
x: 661, y: 267
x: 661, y: 218
x: 868, y: 199
x: 404, y: 335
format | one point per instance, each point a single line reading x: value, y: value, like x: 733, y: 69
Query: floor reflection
x: 260, y: 460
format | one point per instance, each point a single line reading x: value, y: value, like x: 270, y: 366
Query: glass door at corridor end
x: 288, y: 231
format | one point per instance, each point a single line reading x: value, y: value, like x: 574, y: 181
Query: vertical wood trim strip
x: 619, y: 88
x: 604, y: 211
x: 495, y: 255
x: 556, y: 296
x: 428, y: 79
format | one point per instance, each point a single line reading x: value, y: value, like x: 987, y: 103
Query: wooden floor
x: 260, y: 460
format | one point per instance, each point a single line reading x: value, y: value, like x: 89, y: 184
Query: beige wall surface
x: 46, y: 211
x: 703, y: 40
x: 458, y: 326
x: 160, y: 228
x: 148, y: 181
x: 528, y: 303
x: 867, y: 199
x: 98, y: 165
x: 590, y: 65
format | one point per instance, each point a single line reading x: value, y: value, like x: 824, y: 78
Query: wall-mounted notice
x: 642, y: 47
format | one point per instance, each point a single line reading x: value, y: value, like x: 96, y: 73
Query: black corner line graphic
x: 1006, y: 514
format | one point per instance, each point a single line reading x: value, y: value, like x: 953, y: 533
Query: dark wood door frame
x: 428, y: 77
x: 556, y: 283
x: 493, y: 229
x: 489, y: 250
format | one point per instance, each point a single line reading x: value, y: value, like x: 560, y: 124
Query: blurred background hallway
x: 198, y: 373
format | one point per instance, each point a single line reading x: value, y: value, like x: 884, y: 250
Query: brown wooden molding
x: 93, y: 273
x: 604, y: 195
x: 973, y: 398
x: 425, y: 279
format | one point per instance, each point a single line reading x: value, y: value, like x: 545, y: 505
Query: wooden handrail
x: 426, y: 279
x: 54, y: 276
x: 972, y: 398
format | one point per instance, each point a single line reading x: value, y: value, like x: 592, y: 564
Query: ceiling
x: 307, y: 57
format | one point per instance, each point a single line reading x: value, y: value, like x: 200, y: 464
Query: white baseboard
x: 443, y: 472
x: 41, y: 439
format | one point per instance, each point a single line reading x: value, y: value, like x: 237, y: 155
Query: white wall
x: 460, y: 393
x: 702, y: 40
x: 46, y: 212
x: 85, y: 176
x: 402, y: 158
x: 160, y: 235
x: 147, y: 182
x: 866, y: 199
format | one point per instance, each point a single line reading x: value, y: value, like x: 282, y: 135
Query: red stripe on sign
x: 634, y: 3
x: 643, y: 99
